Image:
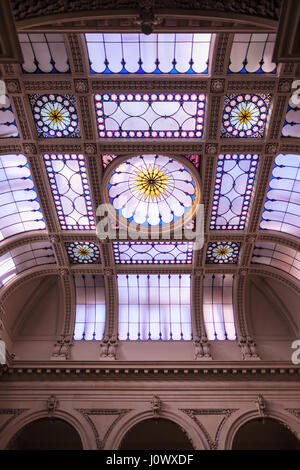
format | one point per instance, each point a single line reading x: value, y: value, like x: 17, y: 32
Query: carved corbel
x: 62, y: 347
x: 52, y: 405
x: 202, y: 349
x: 156, y: 405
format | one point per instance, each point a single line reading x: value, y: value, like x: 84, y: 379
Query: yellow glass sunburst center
x: 151, y: 182
x: 83, y: 251
x: 244, y: 116
x: 55, y: 116
x: 222, y: 251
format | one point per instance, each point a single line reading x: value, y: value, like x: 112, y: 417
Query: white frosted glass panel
x: 281, y: 209
x: 156, y: 307
x: 19, y: 206
x: 25, y: 257
x: 291, y: 126
x: 90, y: 307
x: 278, y: 256
x: 218, y: 307
x: 155, y: 53
x: 44, y: 53
x: 252, y: 53
x: 8, y: 125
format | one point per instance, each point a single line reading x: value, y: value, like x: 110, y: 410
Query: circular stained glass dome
x: 151, y: 190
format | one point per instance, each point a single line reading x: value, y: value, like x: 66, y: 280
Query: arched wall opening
x: 46, y: 434
x: 156, y: 434
x: 265, y: 434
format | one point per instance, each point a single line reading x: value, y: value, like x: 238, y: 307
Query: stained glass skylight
x: 90, y: 307
x: 44, y: 53
x: 252, y: 53
x: 218, y: 307
x: 245, y: 115
x: 8, y: 125
x: 83, y: 252
x: 154, y: 307
x: 222, y: 253
x: 158, y: 115
x: 19, y: 205
x: 24, y: 257
x: 70, y: 188
x: 281, y: 209
x: 55, y: 115
x: 153, y: 53
x: 168, y: 252
x: 151, y: 189
x: 234, y: 182
x: 291, y: 126
x: 277, y: 255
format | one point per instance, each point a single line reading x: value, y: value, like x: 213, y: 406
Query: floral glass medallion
x: 222, y: 252
x: 83, y: 252
x: 245, y: 115
x: 151, y: 189
x: 55, y: 115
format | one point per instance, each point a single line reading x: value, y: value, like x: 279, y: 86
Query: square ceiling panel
x: 55, y: 115
x: 245, y: 115
x: 222, y: 253
x: 83, y: 252
x: 150, y: 115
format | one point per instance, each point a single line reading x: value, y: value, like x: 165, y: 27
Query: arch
x: 195, y: 435
x: 247, y: 416
x: 158, y: 434
x: 252, y: 435
x: 87, y: 440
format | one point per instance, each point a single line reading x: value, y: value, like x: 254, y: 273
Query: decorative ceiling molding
x: 123, y: 370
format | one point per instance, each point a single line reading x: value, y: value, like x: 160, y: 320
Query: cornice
x: 122, y: 370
